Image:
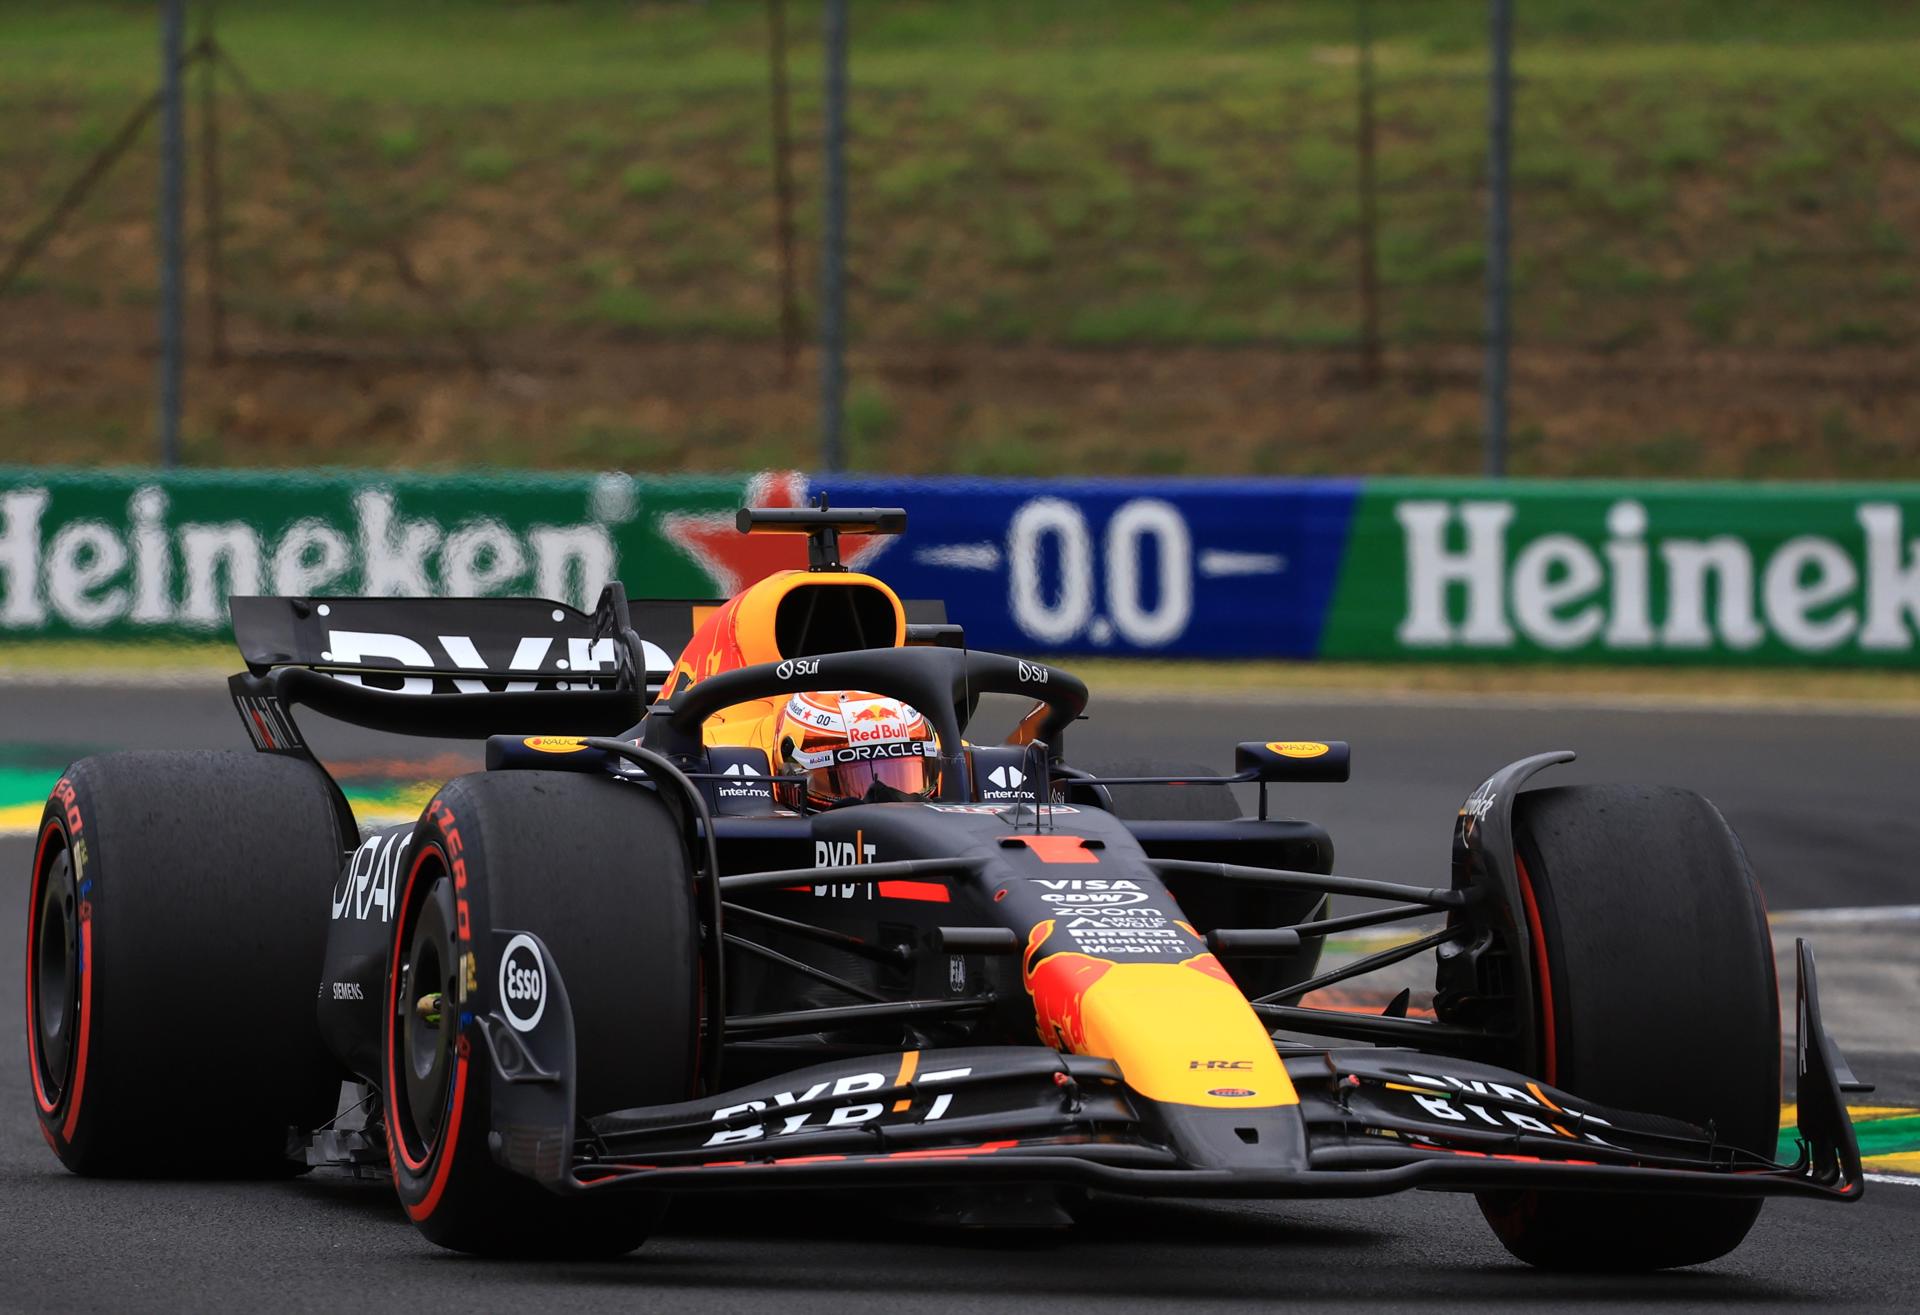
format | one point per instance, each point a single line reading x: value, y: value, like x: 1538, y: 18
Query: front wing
x: 1367, y: 1122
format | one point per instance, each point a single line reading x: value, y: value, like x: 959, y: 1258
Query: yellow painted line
x: 1790, y: 1114
x: 24, y: 819
x: 385, y: 816
x: 1904, y: 1162
x: 19, y: 819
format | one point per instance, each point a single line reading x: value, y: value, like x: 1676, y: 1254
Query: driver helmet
x: 853, y: 746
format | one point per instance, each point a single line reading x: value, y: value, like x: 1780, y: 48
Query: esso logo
x: 523, y: 984
x: 1231, y: 1093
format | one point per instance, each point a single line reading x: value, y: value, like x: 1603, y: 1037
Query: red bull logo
x: 1058, y: 985
x: 1150, y: 1019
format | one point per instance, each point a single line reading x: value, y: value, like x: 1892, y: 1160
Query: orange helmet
x: 847, y: 742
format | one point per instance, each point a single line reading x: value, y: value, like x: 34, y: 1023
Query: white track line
x: 1898, y: 1180
x: 1471, y: 700
x: 1194, y: 694
x: 161, y: 678
x: 1866, y: 918
x: 1869, y: 916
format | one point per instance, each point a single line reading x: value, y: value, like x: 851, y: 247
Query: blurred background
x: 1140, y: 237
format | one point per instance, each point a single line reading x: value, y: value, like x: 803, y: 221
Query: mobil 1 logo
x: 523, y: 983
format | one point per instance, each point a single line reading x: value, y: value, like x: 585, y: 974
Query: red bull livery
x: 776, y: 913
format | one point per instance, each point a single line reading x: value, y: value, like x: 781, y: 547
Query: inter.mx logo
x: 1471, y: 583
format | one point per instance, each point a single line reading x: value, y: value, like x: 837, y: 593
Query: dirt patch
x: 76, y: 384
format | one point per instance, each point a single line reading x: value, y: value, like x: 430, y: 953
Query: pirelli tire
x: 1655, y: 992
x: 597, y: 869
x: 175, y: 929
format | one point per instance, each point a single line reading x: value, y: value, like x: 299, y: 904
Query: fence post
x: 1369, y: 215
x: 783, y: 186
x: 210, y: 201
x: 833, y: 329
x: 1499, y: 234
x: 172, y: 166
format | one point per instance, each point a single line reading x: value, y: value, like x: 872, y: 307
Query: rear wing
x: 466, y: 668
x: 455, y: 667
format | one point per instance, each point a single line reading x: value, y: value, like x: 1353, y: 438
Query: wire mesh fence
x: 1130, y: 238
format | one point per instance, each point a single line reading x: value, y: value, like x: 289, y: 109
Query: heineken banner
x: 1374, y: 569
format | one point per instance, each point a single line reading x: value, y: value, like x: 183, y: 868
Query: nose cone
x: 1182, y: 1033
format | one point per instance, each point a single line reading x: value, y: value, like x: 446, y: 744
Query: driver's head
x: 854, y: 746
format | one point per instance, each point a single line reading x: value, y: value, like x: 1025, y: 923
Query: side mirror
x: 1303, y: 761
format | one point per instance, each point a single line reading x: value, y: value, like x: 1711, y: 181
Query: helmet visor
x: 915, y: 775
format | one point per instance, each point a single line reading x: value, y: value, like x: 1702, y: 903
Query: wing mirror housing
x: 1293, y: 761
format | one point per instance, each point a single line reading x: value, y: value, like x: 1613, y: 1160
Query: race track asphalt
x: 1825, y: 802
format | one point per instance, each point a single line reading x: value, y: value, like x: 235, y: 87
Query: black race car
x: 629, y: 958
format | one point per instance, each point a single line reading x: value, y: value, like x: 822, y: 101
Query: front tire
x: 598, y: 869
x: 175, y: 929
x: 1655, y: 992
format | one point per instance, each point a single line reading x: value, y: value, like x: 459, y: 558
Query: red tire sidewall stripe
x: 449, y: 1137
x: 47, y: 834
x: 86, y: 1021
x: 1542, y: 973
x: 77, y: 1086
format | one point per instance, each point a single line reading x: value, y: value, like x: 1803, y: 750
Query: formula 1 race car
x: 766, y: 916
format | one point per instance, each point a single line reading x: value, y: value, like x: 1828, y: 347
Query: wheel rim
x: 56, y: 980
x: 425, y: 1052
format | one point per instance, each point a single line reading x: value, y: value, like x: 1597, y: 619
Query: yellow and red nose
x: 1180, y: 1032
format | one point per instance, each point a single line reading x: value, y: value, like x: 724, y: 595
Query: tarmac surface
x: 1826, y: 803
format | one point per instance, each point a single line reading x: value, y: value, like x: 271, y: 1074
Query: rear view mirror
x: 1309, y: 761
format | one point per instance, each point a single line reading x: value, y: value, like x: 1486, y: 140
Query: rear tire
x: 1657, y: 994
x: 175, y: 928
x: 598, y: 869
